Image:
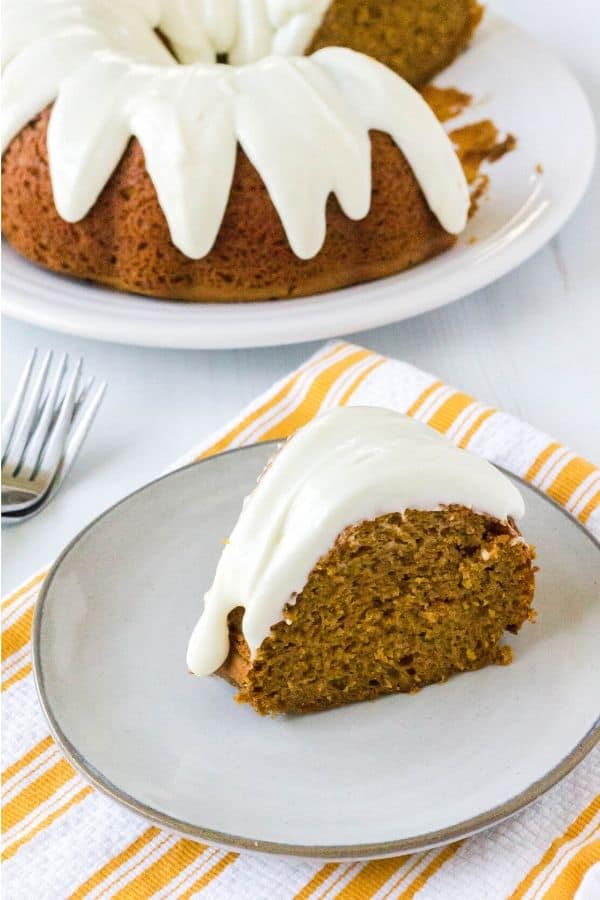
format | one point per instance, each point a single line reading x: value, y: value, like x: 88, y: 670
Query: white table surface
x: 530, y: 344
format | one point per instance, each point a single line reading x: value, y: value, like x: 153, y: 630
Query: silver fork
x: 42, y: 433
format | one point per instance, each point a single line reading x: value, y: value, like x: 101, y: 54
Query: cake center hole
x: 221, y: 58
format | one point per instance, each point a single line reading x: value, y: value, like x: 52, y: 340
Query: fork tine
x: 82, y: 395
x: 82, y: 424
x: 35, y: 445
x: 53, y: 450
x: 26, y: 417
x: 79, y: 398
x: 9, y: 420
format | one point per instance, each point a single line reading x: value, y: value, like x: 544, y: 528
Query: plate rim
x: 375, y: 850
x: 145, y: 327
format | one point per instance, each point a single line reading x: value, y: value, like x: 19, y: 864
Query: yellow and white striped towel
x: 62, y: 838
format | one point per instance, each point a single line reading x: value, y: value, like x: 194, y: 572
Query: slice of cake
x: 372, y: 557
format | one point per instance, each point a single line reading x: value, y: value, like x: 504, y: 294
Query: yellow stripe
x: 359, y: 380
x: 81, y: 795
x: 574, y: 829
x: 17, y: 635
x: 569, y: 880
x: 370, y: 878
x: 316, y: 881
x: 444, y: 417
x: 35, y: 794
x: 163, y: 870
x: 113, y: 864
x: 465, y: 440
x: 18, y: 676
x: 175, y: 889
x: 412, y: 410
x: 12, y: 598
x: 317, y: 392
x: 589, y: 508
x: 541, y: 459
x: 417, y: 859
x: 569, y: 479
x: 429, y: 871
x: 344, y: 871
x: 224, y: 442
x: 209, y: 876
x: 22, y: 763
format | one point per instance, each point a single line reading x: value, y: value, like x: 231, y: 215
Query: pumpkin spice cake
x: 373, y: 557
x: 168, y: 149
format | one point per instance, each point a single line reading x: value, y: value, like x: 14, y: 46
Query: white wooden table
x: 530, y: 344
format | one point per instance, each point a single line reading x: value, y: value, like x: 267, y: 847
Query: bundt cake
x: 373, y: 557
x: 193, y: 151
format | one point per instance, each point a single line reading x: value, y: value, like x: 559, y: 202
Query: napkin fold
x: 62, y: 838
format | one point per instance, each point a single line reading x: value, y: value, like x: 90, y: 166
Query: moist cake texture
x: 398, y: 603
x: 415, y: 38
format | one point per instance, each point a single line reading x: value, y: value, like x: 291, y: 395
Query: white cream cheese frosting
x: 348, y: 465
x: 302, y: 121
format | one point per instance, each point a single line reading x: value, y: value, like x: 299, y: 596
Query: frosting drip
x: 110, y: 76
x: 347, y: 465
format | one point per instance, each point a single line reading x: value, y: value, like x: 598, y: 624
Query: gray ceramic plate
x: 399, y: 774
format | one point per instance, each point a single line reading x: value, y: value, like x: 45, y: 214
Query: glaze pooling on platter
x: 110, y: 76
x: 348, y: 465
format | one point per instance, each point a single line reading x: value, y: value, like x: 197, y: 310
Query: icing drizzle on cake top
x: 348, y: 465
x: 302, y: 121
